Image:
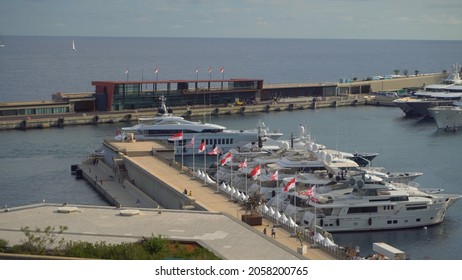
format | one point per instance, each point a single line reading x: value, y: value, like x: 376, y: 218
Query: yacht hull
x: 420, y: 107
x: 447, y: 117
x: 396, y: 217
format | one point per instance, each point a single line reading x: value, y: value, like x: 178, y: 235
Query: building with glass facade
x: 129, y: 95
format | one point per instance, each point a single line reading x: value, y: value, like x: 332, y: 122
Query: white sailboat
x: 73, y: 45
x: 2, y: 43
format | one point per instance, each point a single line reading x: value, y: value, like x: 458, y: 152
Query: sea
x: 35, y: 165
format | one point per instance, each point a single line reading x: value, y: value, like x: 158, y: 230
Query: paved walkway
x: 203, y: 195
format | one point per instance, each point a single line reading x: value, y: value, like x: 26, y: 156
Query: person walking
x: 273, y: 232
x: 264, y: 231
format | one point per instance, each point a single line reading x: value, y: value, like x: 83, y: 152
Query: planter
x: 302, y: 249
x: 252, y: 220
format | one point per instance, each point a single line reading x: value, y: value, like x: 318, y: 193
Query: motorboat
x: 390, y: 176
x: 448, y: 118
x: 367, y: 204
x: 165, y: 125
x: 443, y: 93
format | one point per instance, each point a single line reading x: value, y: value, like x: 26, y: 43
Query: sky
x: 331, y: 19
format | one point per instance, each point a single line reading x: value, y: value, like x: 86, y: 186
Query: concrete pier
x: 166, y: 186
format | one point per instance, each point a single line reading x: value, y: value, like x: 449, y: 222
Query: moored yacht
x: 448, y: 118
x: 165, y: 125
x: 440, y: 94
x: 376, y: 205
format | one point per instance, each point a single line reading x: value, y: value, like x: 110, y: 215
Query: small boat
x: 2, y: 42
x: 73, y: 46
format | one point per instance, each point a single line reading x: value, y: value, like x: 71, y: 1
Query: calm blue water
x: 35, y: 164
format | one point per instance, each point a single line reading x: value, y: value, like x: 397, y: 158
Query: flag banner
x: 190, y: 144
x: 156, y: 70
x: 255, y: 172
x: 215, y: 151
x: 227, y: 158
x: 177, y: 137
x: 202, y: 147
x: 210, y: 69
x: 274, y: 176
x: 290, y: 185
x: 243, y: 164
x: 222, y: 70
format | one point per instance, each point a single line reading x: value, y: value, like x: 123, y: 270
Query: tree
x: 396, y: 72
x: 251, y: 204
x: 416, y: 72
x: 41, y: 241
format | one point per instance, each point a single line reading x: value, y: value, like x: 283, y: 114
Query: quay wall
x: 154, y: 187
x: 94, y: 118
x: 311, y: 96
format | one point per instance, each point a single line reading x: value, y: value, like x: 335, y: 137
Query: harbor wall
x: 155, y: 188
x: 95, y: 118
x: 325, y: 95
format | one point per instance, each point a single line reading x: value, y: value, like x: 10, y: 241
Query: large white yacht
x: 448, y: 118
x: 165, y: 125
x: 367, y: 205
x: 440, y: 94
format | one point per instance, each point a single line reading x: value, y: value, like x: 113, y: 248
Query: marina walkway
x: 204, y: 195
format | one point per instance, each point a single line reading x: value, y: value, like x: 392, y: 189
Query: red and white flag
x: 177, y: 137
x: 156, y: 70
x: 243, y: 164
x: 227, y: 158
x: 197, y: 70
x: 190, y: 144
x: 290, y: 185
x: 222, y: 70
x: 313, y: 193
x: 274, y: 176
x: 210, y: 69
x: 202, y: 147
x: 215, y: 151
x: 255, y: 172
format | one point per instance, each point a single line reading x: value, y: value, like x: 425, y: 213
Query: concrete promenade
x: 206, y: 196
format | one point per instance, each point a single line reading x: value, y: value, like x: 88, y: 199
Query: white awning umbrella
x: 270, y: 212
x: 208, y: 180
x: 223, y: 186
x: 265, y: 209
x: 291, y: 222
x: 283, y: 218
x: 277, y: 215
x: 198, y: 173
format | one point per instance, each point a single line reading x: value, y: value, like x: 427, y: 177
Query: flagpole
x: 217, y: 167
x: 174, y: 151
x: 246, y: 191
x: 277, y: 192
x: 182, y: 149
x: 231, y: 181
x: 260, y: 177
x: 193, y: 158
x: 205, y: 163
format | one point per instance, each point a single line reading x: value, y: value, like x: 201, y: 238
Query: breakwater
x: 93, y: 118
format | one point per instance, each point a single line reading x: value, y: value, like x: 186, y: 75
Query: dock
x: 160, y: 184
x: 189, y: 99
